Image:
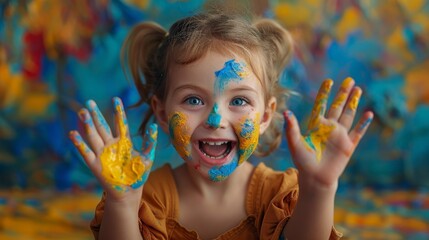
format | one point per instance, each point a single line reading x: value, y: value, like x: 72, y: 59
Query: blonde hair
x: 149, y: 51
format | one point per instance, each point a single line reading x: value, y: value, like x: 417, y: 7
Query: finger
x: 341, y: 98
x: 349, y: 112
x: 100, y: 122
x: 121, y: 118
x: 86, y: 153
x: 320, y: 104
x: 360, y: 129
x: 92, y: 135
x: 150, y: 141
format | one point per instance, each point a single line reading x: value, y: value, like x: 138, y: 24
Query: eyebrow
x: 198, y: 88
x: 188, y: 86
x: 247, y: 89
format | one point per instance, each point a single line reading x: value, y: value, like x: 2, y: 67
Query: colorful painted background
x: 55, y: 55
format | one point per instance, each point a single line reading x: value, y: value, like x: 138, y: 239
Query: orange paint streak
x: 320, y: 104
x: 342, y: 94
x: 354, y: 100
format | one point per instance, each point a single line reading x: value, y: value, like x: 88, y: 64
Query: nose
x: 214, y: 119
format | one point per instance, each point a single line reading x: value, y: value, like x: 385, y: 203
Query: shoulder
x: 160, y: 192
x: 267, y: 184
x: 272, y: 196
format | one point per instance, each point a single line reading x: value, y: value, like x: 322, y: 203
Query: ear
x: 270, y: 109
x: 158, y: 108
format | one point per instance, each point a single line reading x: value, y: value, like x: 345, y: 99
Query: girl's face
x: 214, y: 113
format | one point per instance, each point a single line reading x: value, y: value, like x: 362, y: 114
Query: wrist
x: 125, y: 199
x: 308, y: 184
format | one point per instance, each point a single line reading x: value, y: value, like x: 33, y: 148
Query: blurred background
x: 55, y: 55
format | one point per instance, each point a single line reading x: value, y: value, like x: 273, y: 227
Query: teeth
x: 219, y: 157
x: 214, y: 143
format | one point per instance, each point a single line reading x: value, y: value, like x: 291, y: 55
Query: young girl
x: 212, y: 84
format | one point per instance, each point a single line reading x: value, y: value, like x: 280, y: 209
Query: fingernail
x: 287, y: 114
x: 82, y: 115
x: 365, y: 124
x: 116, y: 101
x: 89, y: 105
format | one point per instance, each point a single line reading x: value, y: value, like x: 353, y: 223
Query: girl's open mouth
x: 215, y: 152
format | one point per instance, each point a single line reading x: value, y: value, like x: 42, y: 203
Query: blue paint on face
x: 214, y: 117
x: 220, y: 173
x: 248, y: 128
x: 232, y: 71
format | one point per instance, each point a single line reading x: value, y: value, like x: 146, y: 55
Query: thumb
x: 293, y: 132
x: 149, y: 142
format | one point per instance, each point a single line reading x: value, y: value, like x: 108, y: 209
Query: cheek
x: 247, y: 130
x: 180, y: 134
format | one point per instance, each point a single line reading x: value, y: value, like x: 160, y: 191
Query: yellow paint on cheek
x: 342, y: 95
x: 179, y: 134
x: 316, y: 139
x: 248, y: 133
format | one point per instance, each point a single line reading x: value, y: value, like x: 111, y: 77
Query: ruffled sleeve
x: 158, y: 204
x: 272, y: 198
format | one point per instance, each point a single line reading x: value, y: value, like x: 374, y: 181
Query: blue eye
x: 238, y: 102
x: 193, y: 101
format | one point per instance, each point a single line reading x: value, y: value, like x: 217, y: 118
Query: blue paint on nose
x: 214, y: 117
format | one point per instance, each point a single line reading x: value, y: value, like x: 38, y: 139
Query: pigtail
x: 278, y: 46
x: 277, y: 43
x: 140, y: 58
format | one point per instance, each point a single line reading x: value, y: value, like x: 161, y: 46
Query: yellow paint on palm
x: 179, y: 134
x: 248, y: 133
x: 320, y: 104
x: 342, y: 94
x: 119, y: 166
x: 317, y: 138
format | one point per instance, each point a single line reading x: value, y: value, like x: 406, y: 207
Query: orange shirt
x: 270, y: 200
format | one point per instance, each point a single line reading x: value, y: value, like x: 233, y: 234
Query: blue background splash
x: 54, y: 56
x: 49, y: 71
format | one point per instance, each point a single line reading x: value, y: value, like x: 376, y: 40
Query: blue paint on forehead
x: 232, y: 71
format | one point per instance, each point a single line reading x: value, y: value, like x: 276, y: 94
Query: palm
x: 120, y: 169
x: 324, y: 151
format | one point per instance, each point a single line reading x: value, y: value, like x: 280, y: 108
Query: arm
x: 321, y: 156
x: 120, y: 169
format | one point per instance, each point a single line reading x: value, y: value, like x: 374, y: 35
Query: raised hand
x: 322, y: 154
x: 120, y: 169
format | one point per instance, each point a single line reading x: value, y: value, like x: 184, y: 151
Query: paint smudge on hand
x: 318, y: 133
x: 342, y: 94
x: 120, y: 167
x: 319, y: 108
x: 149, y: 147
x: 317, y: 138
x: 354, y: 100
